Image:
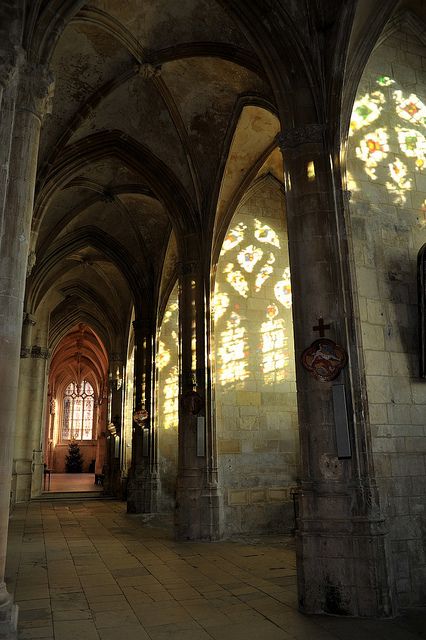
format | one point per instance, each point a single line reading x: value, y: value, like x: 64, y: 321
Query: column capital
x: 36, y: 88
x: 297, y: 136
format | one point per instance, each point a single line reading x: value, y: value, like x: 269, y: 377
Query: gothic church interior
x: 213, y: 268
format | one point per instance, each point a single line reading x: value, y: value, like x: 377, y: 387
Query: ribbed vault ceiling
x: 163, y: 116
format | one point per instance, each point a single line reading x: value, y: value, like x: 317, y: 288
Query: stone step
x: 72, y: 495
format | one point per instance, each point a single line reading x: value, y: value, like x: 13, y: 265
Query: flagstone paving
x: 86, y: 570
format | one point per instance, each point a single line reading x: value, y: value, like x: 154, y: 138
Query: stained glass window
x: 78, y: 411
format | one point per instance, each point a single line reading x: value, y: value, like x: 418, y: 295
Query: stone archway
x: 77, y: 401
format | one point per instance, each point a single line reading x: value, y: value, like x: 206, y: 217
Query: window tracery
x: 78, y: 411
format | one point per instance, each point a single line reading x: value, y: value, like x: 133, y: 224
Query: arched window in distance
x: 78, y: 411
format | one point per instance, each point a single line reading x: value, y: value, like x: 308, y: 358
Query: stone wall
x: 87, y: 450
x: 387, y: 181
x: 255, y: 390
x: 167, y: 402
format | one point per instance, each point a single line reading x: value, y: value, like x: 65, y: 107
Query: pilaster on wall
x: 342, y: 546
x: 197, y: 496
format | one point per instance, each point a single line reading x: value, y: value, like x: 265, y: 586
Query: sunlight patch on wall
x: 275, y: 356
x: 167, y: 366
x: 388, y: 130
x: 233, y: 351
x: 252, y: 281
x: 128, y: 408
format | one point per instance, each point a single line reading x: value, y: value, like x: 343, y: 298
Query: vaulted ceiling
x: 163, y: 115
x: 80, y: 355
x: 147, y: 98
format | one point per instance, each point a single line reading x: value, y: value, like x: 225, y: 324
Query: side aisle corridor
x: 86, y: 570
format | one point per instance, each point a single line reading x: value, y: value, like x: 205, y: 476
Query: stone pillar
x: 197, y: 497
x: 27, y: 478
x: 342, y: 554
x: 22, y: 462
x: 9, y: 61
x: 35, y: 87
x: 143, y: 477
x: 36, y: 415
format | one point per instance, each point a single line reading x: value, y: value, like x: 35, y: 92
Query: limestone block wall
x: 255, y: 389
x: 167, y: 362
x: 387, y: 180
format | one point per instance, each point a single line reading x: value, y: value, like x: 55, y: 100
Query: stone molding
x: 297, y: 136
x: 25, y: 352
x: 36, y: 89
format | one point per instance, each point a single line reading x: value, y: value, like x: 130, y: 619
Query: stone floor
x: 87, y: 570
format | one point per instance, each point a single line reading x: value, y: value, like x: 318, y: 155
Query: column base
x: 37, y: 474
x: 135, y: 495
x: 197, y: 515
x: 142, y: 490
x: 343, y: 562
x: 21, y: 480
x: 211, y: 513
x: 8, y: 615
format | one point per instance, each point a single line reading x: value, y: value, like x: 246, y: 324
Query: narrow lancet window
x: 78, y: 411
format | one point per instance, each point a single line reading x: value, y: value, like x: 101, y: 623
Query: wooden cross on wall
x: 321, y: 327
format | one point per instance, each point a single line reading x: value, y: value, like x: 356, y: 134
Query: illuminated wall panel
x: 167, y: 363
x: 254, y: 368
x: 128, y: 410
